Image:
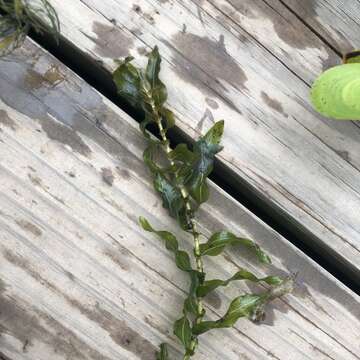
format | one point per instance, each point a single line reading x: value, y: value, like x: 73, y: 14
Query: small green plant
x: 336, y: 92
x: 19, y: 16
x: 180, y: 178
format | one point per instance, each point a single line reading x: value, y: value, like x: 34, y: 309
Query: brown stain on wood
x: 30, y: 325
x: 212, y: 103
x: 7, y: 121
x: 124, y: 173
x: 273, y: 103
x: 110, y: 41
x: 107, y: 176
x: 118, y: 329
x: 35, y: 80
x: 66, y: 135
x: 29, y: 227
x: 202, y: 60
x: 35, y: 180
x: 118, y: 258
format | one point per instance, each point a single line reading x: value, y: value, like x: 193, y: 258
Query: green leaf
x: 182, y: 260
x: 148, y: 156
x: 242, y: 306
x: 242, y: 274
x: 182, y: 154
x: 158, y: 89
x: 163, y: 353
x: 214, y: 135
x: 182, y: 330
x: 168, y: 117
x: 248, y: 305
x: 191, y: 302
x: 336, y: 93
x: 128, y: 82
x: 172, y: 199
x: 205, y: 150
x: 171, y: 242
x: 218, y: 242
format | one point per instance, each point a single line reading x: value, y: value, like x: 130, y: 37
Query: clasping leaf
x: 128, y: 82
x: 205, y: 150
x: 182, y: 330
x: 248, y: 305
x: 218, y: 242
x: 242, y: 274
x: 158, y: 89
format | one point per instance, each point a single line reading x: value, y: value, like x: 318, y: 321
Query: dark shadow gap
x: 92, y: 72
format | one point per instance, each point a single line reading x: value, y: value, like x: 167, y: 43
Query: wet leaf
x: 128, y: 82
x: 168, y: 117
x: 171, y: 242
x: 163, y: 353
x: 172, y: 198
x: 248, y: 305
x: 191, y: 302
x: 18, y: 16
x: 220, y: 240
x: 182, y: 330
x: 182, y: 258
x: 153, y: 149
x: 158, y: 89
x: 242, y: 274
x: 205, y: 150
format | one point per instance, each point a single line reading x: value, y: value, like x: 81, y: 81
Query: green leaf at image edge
x: 336, y: 92
x: 163, y: 353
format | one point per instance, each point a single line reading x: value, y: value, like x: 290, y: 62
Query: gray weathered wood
x: 80, y: 280
x: 279, y: 31
x: 337, y: 21
x: 304, y: 166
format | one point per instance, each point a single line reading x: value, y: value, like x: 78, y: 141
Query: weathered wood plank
x: 338, y: 22
x: 306, y: 167
x: 279, y: 31
x: 80, y: 280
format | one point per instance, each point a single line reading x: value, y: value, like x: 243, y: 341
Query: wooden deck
x: 78, y: 277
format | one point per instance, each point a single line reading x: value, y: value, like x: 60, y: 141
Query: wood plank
x: 276, y: 28
x: 336, y: 21
x: 80, y: 280
x: 304, y: 166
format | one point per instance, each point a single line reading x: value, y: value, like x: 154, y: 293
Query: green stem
x: 195, y: 234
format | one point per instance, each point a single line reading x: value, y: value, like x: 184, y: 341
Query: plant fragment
x: 181, y: 182
x: 19, y: 16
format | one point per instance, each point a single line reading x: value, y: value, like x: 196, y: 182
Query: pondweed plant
x: 180, y: 178
x: 19, y: 16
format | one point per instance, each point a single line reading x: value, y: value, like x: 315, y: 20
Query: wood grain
x: 80, y: 280
x: 336, y: 21
x: 304, y: 166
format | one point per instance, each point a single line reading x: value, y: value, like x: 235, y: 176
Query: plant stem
x: 195, y: 234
